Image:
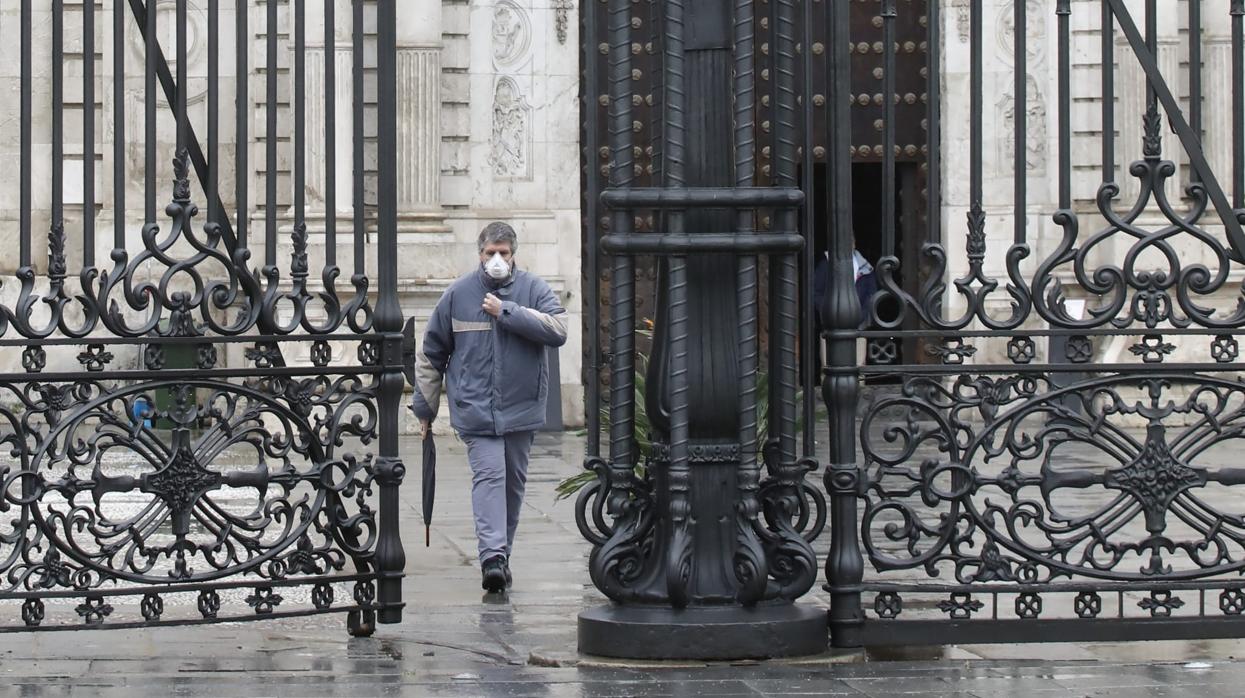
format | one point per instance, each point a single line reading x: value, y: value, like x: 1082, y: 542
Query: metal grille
x: 1056, y: 458
x: 169, y: 461
x: 1028, y: 487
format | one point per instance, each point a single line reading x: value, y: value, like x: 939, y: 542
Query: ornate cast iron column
x: 840, y: 383
x: 702, y: 556
x: 390, y: 557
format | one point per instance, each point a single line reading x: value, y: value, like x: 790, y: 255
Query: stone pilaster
x: 1217, y: 89
x: 419, y: 139
x: 317, y: 174
x: 419, y: 120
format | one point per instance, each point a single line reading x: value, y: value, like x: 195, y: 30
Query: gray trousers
x: 498, y: 480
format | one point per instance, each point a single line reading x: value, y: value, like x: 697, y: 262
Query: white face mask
x: 497, y: 268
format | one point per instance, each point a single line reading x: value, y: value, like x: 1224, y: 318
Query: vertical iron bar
x: 330, y: 135
x: 1238, y: 104
x: 26, y: 127
x: 360, y: 211
x: 242, y: 103
x: 746, y: 273
x: 159, y: 68
x: 785, y: 308
x: 24, y: 234
x: 1195, y: 76
x: 588, y: 105
x: 118, y: 129
x: 152, y: 44
x: 653, y: 152
x: 1179, y: 125
x: 213, y: 107
x: 270, y: 139
x: 88, y: 134
x: 390, y: 557
x: 622, y: 278
x: 1152, y: 45
x: 1063, y: 10
x: 933, y: 115
x: 300, y: 116
x: 770, y: 142
x: 674, y: 139
x: 975, y: 107
x: 841, y: 381
x: 1020, y: 111
x: 183, y: 117
x: 808, y: 338
x: 58, y: 115
x: 888, y: 127
x: 1108, y: 94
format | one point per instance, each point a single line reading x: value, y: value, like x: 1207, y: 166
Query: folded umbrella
x: 430, y: 484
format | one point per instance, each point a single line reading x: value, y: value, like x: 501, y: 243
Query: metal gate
x: 1056, y: 460
x: 194, y: 435
x: 1065, y: 470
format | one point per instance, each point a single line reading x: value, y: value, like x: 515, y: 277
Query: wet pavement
x: 456, y: 641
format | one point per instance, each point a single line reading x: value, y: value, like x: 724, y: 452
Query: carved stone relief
x: 562, y: 8
x: 1035, y: 32
x: 1035, y: 130
x: 962, y: 19
x: 509, y: 147
x: 512, y: 33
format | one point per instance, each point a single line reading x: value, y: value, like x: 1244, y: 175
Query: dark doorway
x: 867, y: 205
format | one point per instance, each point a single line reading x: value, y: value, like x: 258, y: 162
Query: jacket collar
x: 492, y: 284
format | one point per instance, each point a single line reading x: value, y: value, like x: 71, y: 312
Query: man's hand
x: 424, y: 426
x: 492, y: 305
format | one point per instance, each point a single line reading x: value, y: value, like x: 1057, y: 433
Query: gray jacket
x: 497, y: 372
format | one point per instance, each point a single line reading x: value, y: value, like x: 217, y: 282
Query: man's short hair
x: 498, y: 232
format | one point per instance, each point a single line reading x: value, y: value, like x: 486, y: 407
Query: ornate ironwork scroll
x: 184, y: 470
x: 1071, y: 457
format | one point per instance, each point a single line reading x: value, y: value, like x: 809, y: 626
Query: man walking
x: 487, y: 339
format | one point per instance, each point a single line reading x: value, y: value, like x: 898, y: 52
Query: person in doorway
x: 486, y: 341
x: 866, y: 286
x: 866, y: 282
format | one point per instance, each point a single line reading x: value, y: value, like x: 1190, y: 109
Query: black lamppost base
x: 649, y: 632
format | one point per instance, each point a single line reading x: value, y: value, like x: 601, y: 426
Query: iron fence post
x: 841, y: 381
x: 390, y: 557
x: 703, y: 558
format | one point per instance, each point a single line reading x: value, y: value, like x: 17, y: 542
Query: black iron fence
x: 181, y: 467
x: 1065, y: 491
x: 1057, y: 461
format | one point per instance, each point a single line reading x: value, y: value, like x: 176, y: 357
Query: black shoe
x: 493, y: 572
x: 505, y: 566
